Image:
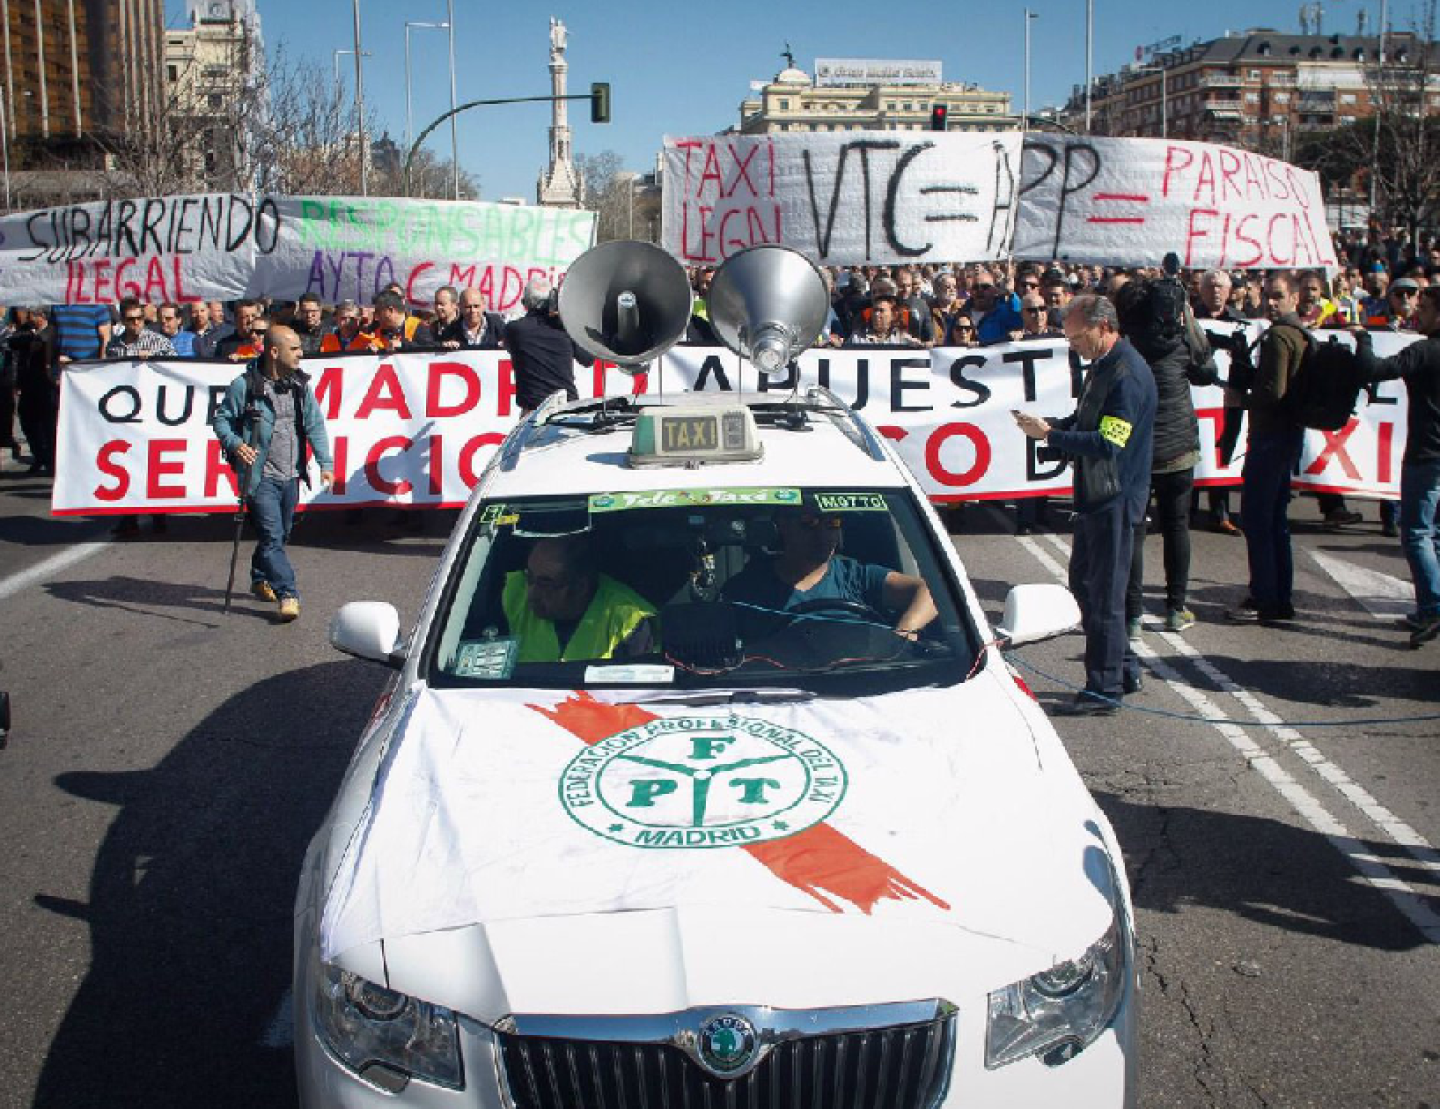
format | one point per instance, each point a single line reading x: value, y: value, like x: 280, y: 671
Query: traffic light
x: 938, y: 112
x: 600, y: 102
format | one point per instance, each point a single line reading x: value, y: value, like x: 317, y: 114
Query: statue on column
x: 557, y: 39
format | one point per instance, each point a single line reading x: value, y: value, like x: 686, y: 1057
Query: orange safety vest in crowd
x: 368, y: 340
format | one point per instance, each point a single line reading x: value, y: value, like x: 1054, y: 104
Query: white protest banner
x: 417, y: 429
x: 405, y: 429
x: 222, y: 246
x: 840, y: 198
x: 1129, y: 201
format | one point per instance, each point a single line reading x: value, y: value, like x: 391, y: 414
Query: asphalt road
x: 169, y: 763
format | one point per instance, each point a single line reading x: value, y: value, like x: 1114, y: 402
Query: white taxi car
x: 702, y: 782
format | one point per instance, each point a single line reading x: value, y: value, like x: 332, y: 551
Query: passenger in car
x: 809, y: 570
x: 563, y: 609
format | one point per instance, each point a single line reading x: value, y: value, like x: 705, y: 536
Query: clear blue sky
x: 678, y: 68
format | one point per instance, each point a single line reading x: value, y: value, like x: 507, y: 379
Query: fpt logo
x: 694, y: 782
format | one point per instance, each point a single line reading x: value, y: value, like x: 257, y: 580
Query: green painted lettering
x: 754, y: 789
x: 643, y: 792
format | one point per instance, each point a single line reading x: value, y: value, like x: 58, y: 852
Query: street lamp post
x: 337, y: 62
x: 409, y: 115
x: 360, y: 107
x: 1164, y: 97
x: 454, y: 140
x: 1025, y: 119
x: 1089, y: 43
x: 1375, y: 110
x: 5, y: 149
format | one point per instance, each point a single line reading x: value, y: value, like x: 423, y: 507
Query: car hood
x: 544, y: 853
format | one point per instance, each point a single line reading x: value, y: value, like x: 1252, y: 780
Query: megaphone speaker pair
x: 629, y: 302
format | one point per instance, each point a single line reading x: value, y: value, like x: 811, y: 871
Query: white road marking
x: 1382, y: 595
x: 1305, y: 804
x: 280, y: 1032
x: 49, y: 567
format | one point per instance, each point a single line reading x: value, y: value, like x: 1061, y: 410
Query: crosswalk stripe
x: 1305, y: 803
x: 1382, y: 595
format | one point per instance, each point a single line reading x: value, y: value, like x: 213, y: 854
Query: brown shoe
x: 289, y: 609
x: 264, y: 590
x: 1226, y: 527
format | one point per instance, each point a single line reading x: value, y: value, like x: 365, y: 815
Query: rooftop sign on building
x: 876, y: 71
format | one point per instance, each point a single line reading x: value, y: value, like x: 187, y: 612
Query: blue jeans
x: 1419, y: 496
x: 1265, y: 515
x: 272, y: 511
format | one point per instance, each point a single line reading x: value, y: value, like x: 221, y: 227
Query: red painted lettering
x: 216, y: 469
x: 435, y: 405
x: 105, y: 462
x: 1172, y: 153
x: 161, y: 466
x: 381, y: 448
x: 1335, y: 442
x: 468, y: 472
x: 384, y: 395
x: 942, y: 473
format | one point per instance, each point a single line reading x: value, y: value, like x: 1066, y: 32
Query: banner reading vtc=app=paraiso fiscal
x: 892, y: 197
x: 418, y: 429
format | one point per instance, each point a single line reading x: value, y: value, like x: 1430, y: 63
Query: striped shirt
x: 77, y: 328
x: 144, y: 345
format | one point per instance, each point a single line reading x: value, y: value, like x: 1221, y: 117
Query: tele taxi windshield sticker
x: 691, y: 498
x: 491, y: 513
x: 851, y: 502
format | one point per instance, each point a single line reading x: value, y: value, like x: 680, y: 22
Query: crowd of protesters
x: 1377, y: 286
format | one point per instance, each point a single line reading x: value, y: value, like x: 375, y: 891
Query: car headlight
x: 384, y: 1036
x: 1059, y: 1012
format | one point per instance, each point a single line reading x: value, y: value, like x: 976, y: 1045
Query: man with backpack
x: 1275, y: 440
x: 1418, y: 365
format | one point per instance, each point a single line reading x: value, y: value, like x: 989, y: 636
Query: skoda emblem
x: 727, y: 1044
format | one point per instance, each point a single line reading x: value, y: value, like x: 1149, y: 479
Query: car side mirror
x: 1036, y: 612
x: 369, y: 630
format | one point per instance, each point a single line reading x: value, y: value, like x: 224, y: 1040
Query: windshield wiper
x: 728, y: 696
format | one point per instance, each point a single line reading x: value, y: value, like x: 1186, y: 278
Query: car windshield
x: 763, y: 588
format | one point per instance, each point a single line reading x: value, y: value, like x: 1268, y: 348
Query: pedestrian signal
x: 938, y: 114
x: 600, y: 102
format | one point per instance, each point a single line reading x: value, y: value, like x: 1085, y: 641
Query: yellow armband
x: 1115, y: 430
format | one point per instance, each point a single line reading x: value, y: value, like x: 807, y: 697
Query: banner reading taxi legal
x: 225, y: 246
x: 418, y: 429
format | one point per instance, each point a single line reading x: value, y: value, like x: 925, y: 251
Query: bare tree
x: 1394, y: 149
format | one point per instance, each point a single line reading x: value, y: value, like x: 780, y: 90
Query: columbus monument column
x: 559, y: 185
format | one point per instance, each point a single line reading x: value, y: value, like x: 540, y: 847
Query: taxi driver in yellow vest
x: 562, y: 609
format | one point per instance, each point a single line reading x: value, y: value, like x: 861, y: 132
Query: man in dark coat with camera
x: 541, y: 351
x: 1110, y: 438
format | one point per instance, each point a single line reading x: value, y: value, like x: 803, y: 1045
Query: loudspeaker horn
x: 626, y: 302
x: 767, y: 304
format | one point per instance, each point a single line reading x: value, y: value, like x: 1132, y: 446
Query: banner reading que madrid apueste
x: 222, y: 246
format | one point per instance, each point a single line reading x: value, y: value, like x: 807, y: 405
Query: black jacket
x: 454, y: 332
x: 1419, y: 366
x: 543, y: 356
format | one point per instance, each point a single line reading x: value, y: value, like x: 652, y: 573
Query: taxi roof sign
x: 694, y: 435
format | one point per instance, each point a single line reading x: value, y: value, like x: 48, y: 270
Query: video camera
x: 1242, y: 362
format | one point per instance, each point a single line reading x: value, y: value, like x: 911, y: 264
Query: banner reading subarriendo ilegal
x: 223, y: 246
x: 418, y: 429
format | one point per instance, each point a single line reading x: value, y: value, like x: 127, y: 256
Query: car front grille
x: 899, y: 1067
